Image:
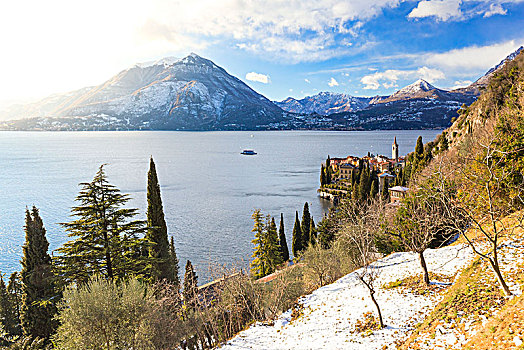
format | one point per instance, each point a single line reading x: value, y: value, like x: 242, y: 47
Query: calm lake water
x: 209, y: 190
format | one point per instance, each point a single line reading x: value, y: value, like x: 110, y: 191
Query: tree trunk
x: 372, y: 294
x: 494, y: 264
x: 424, y: 267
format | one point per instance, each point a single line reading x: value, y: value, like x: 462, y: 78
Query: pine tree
x: 38, y: 282
x: 190, y: 286
x: 106, y: 240
x: 174, y: 263
x: 304, y: 227
x: 162, y: 267
x: 297, y: 237
x: 312, y: 233
x: 258, y: 264
x: 284, y: 250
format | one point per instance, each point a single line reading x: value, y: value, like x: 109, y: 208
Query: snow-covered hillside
x: 330, y: 313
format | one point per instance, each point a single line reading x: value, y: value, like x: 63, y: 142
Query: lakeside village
x: 360, y: 178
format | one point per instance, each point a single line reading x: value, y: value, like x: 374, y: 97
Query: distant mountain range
x: 193, y: 93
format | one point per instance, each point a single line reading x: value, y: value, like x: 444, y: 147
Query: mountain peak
x: 166, y: 61
x: 419, y: 86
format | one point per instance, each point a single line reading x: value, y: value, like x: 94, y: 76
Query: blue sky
x: 280, y: 48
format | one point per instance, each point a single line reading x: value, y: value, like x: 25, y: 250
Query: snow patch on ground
x: 330, y: 312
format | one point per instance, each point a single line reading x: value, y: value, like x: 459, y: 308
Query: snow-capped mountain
x: 324, y: 103
x: 418, y: 89
x: 189, y: 93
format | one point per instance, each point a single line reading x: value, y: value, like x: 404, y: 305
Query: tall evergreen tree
x: 322, y: 175
x: 328, y: 175
x: 259, y: 263
x: 297, y: 246
x: 385, y: 190
x: 419, y: 148
x: 190, y: 286
x: 174, y: 263
x: 161, y: 264
x: 5, y: 307
x: 312, y: 233
x: 284, y: 250
x: 305, y: 225
x: 106, y: 238
x: 14, y: 288
x: 374, y: 188
x: 274, y: 258
x: 38, y: 282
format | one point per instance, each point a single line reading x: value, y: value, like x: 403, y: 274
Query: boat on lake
x: 248, y: 152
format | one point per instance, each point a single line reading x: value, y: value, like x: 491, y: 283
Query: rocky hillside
x: 192, y: 93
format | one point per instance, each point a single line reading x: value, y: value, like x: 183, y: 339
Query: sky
x: 280, y: 48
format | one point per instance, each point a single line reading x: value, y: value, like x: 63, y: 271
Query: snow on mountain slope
x: 324, y: 103
x: 330, y: 312
x: 189, y: 93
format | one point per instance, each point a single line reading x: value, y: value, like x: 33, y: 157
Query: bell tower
x: 394, y: 150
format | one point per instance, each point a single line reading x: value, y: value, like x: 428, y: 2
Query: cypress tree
x: 419, y: 148
x: 304, y: 227
x: 190, y: 286
x: 38, y: 282
x: 385, y: 190
x: 5, y: 307
x: 284, y: 250
x: 374, y: 189
x: 174, y: 263
x: 274, y: 259
x: 259, y: 262
x: 14, y: 288
x: 297, y: 237
x: 328, y: 175
x: 328, y: 162
x: 106, y: 240
x: 322, y: 176
x: 312, y: 233
x: 162, y: 267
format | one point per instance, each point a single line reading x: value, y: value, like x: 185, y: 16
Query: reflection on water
x: 209, y: 190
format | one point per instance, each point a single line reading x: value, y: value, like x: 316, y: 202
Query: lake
x: 208, y: 189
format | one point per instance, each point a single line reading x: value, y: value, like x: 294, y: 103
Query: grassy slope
x: 474, y: 314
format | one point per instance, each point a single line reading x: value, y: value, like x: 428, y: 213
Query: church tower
x: 394, y: 150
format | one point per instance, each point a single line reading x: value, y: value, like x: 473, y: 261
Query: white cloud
x: 307, y: 81
x: 260, y: 78
x: 495, y: 9
x: 333, y: 82
x: 388, y: 79
x: 440, y: 9
x: 304, y: 30
x: 461, y: 83
x: 471, y: 58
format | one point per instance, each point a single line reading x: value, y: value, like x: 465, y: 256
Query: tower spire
x: 394, y: 150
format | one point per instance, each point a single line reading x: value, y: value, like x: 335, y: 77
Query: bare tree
x: 488, y: 194
x: 426, y: 217
x: 357, y: 234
